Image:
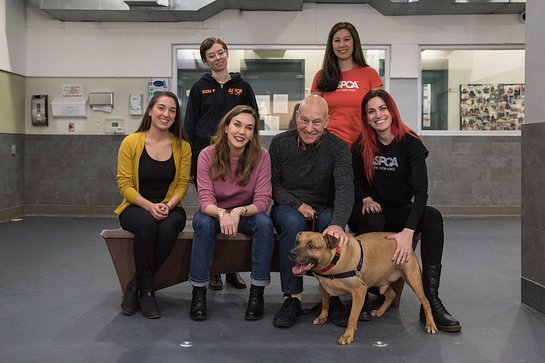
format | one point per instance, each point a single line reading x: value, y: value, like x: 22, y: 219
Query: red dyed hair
x: 369, y: 139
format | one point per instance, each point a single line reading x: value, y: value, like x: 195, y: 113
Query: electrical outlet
x: 98, y: 126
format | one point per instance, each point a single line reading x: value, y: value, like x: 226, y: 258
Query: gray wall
x: 533, y: 163
x: 70, y: 174
x: 11, y: 175
x: 76, y: 174
x: 474, y: 174
x: 533, y: 216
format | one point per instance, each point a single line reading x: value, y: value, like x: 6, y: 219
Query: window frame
x: 453, y: 47
x: 291, y: 47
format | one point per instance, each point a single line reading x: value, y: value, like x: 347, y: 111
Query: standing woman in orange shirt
x: 344, y: 80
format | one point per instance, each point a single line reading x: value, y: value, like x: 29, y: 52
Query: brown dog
x: 365, y: 261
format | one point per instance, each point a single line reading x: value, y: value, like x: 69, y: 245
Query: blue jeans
x: 206, y: 228
x: 288, y: 222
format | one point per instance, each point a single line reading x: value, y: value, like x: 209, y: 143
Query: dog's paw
x: 377, y: 313
x: 320, y: 320
x: 430, y: 329
x: 346, y: 339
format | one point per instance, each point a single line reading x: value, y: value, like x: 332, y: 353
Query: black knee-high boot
x: 431, y: 275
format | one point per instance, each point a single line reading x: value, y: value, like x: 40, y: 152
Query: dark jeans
x: 430, y: 228
x: 153, y: 240
x: 206, y: 228
x: 288, y: 222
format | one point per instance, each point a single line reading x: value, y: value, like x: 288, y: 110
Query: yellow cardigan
x: 128, y: 159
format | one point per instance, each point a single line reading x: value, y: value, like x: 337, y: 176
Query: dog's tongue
x: 301, y: 269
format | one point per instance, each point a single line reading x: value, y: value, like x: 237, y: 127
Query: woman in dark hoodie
x: 210, y: 98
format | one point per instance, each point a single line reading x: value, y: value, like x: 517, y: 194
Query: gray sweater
x: 321, y: 177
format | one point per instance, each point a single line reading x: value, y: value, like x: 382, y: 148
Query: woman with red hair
x: 391, y: 193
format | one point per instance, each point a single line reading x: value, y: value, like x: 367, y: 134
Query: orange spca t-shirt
x: 345, y: 102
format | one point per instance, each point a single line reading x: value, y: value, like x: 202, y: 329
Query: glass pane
x: 280, y: 77
x: 472, y: 89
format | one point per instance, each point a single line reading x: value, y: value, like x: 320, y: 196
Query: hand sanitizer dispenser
x: 136, y: 104
x: 38, y: 110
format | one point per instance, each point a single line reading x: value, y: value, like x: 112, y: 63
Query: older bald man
x: 313, y: 190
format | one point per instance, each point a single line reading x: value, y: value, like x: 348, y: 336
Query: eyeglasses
x: 219, y: 53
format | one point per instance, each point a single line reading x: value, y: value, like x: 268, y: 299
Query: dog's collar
x: 342, y: 275
x: 333, y: 261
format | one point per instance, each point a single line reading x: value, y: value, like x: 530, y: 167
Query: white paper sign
x: 264, y: 104
x: 272, y: 123
x: 280, y: 103
x: 72, y: 90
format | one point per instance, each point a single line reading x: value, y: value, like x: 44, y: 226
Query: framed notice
x: 426, y: 105
x: 491, y: 106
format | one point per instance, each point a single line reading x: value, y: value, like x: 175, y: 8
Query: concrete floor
x: 60, y: 303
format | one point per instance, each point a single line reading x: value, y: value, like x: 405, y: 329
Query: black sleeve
x: 344, y: 186
x: 251, y: 101
x: 280, y: 195
x: 360, y: 190
x: 417, y: 154
x: 357, y: 167
x: 193, y: 112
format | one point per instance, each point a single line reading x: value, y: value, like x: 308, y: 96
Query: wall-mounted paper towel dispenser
x: 101, y: 99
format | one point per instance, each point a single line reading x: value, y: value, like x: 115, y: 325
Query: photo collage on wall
x: 491, y: 106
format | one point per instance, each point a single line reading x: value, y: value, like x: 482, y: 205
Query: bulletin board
x: 491, y: 106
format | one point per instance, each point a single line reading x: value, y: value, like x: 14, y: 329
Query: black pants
x: 153, y: 240
x: 393, y: 220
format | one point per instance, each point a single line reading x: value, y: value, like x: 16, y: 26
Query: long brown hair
x: 330, y: 75
x: 369, y: 139
x: 252, y: 151
x: 177, y: 129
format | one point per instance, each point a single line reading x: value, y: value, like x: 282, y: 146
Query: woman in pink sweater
x: 234, y: 178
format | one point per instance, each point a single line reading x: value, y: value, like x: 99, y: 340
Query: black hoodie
x: 208, y: 102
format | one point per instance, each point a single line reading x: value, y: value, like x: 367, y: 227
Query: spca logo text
x: 385, y: 163
x: 348, y: 85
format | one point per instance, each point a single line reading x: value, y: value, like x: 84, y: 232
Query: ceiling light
x: 146, y: 2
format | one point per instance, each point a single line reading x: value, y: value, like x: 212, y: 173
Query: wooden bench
x: 230, y: 255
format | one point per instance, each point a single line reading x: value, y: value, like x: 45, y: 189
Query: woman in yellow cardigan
x: 153, y: 167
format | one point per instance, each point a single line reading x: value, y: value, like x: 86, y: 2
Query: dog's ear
x: 297, y: 237
x: 331, y: 241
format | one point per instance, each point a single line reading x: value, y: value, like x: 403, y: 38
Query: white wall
x: 136, y: 51
x: 144, y: 49
x: 12, y: 36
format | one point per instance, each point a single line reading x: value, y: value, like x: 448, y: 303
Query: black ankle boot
x: 431, y: 274
x: 254, y: 311
x: 130, y: 304
x: 148, y: 305
x: 198, y: 309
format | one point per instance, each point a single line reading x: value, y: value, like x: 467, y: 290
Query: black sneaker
x: 372, y: 302
x: 338, y: 314
x: 288, y: 313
